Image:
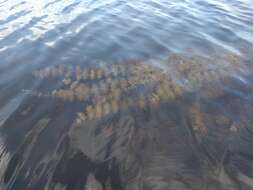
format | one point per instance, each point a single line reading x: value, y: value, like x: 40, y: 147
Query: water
x: 114, y: 94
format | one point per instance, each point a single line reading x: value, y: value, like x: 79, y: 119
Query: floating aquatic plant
x: 81, y: 116
x: 160, y: 93
x: 82, y: 92
x: 67, y: 81
x: 117, y: 87
x: 90, y: 112
x: 51, y: 71
x: 99, y: 111
x: 74, y: 85
x: 111, y: 87
x: 65, y: 94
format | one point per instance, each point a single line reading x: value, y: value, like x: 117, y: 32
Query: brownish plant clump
x: 197, y: 117
x: 121, y: 86
x: 112, y: 88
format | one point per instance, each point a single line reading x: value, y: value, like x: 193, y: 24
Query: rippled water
x: 135, y: 95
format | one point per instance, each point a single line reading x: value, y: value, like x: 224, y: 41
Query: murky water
x: 133, y: 95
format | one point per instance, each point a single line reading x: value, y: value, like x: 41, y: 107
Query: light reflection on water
x: 114, y: 94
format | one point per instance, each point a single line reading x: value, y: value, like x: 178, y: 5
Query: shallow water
x: 135, y: 95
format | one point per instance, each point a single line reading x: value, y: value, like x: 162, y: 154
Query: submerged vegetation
x: 137, y: 125
x: 125, y: 85
x: 115, y: 88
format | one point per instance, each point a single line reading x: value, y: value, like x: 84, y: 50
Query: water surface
x: 135, y: 95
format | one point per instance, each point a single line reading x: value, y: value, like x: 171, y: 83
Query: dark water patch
x: 21, y: 125
x: 16, y: 159
x: 12, y: 166
x: 78, y: 167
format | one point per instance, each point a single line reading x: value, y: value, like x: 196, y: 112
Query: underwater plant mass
x: 116, y: 123
x: 126, y: 95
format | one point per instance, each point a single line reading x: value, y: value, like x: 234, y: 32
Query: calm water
x: 135, y: 95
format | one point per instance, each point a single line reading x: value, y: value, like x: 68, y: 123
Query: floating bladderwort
x: 112, y: 88
x: 122, y: 86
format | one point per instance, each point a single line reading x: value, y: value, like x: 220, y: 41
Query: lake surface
x: 133, y: 95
